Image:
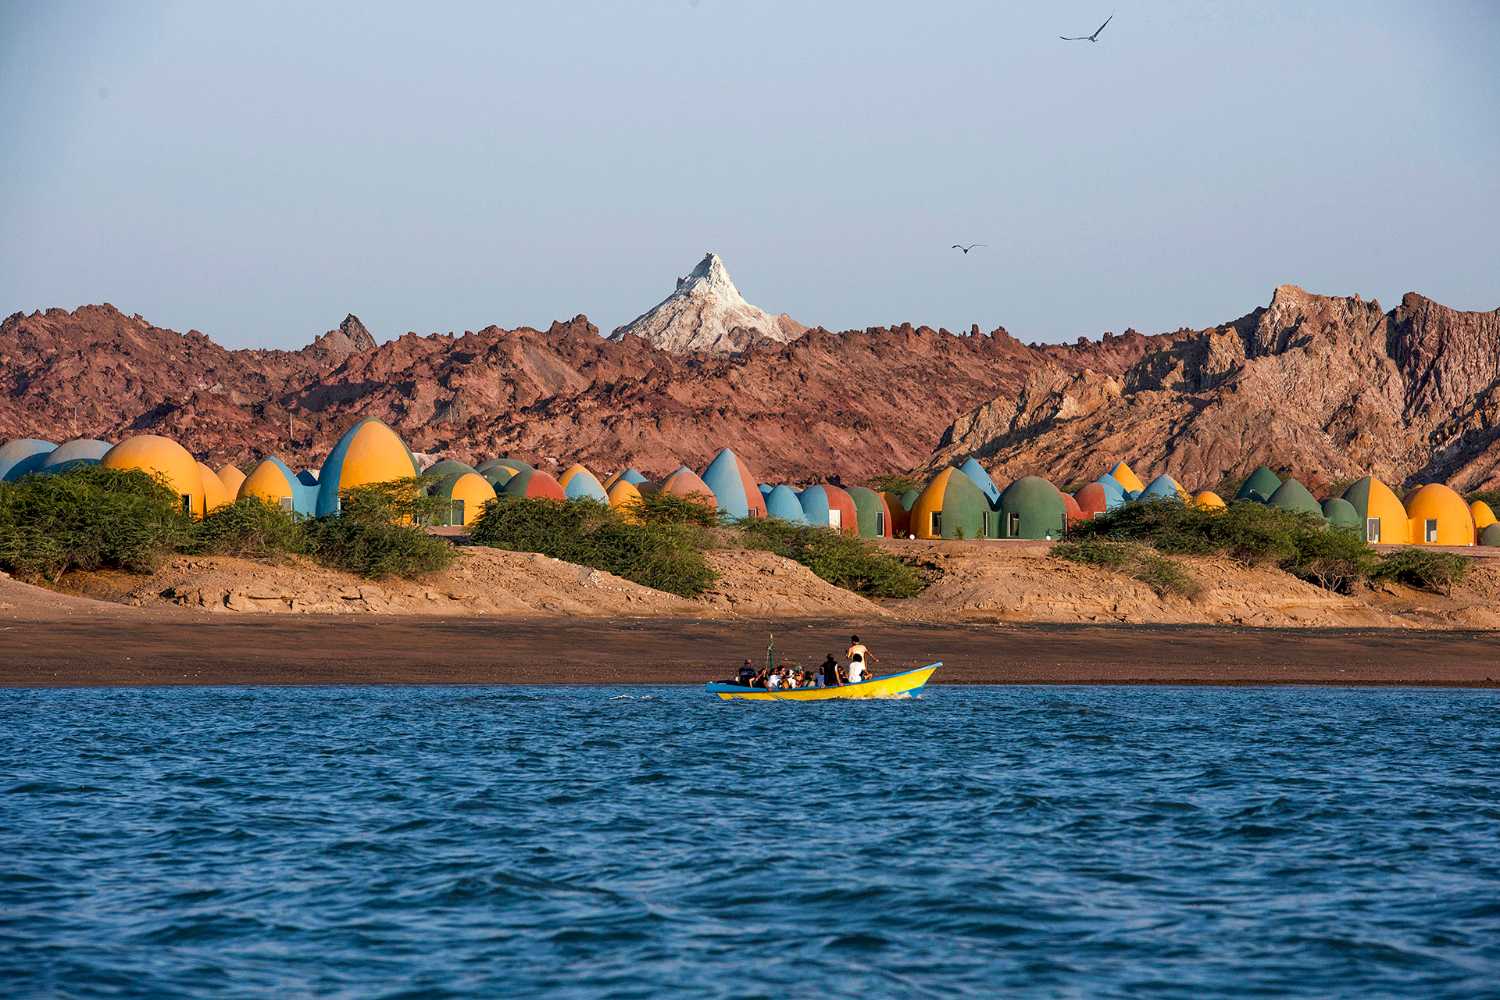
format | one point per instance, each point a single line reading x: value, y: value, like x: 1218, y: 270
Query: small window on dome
x: 1430, y: 530
x: 1372, y: 530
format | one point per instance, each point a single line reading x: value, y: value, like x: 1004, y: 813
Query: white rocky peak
x: 706, y: 313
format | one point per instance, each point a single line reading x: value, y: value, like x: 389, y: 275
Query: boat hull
x: 902, y: 685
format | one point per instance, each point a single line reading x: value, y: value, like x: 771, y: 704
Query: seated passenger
x: 747, y: 673
x: 773, y: 681
x: 830, y: 672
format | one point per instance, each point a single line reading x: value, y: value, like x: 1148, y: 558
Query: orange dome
x: 1482, y: 514
x: 625, y: 497
x: 166, y: 460
x: 1209, y: 500
x: 232, y: 478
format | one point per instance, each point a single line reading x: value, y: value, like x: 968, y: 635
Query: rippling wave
x: 611, y: 842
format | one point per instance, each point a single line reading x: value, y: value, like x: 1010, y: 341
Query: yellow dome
x: 625, y: 498
x: 165, y: 459
x: 232, y: 478
x: 271, y: 481
x: 1181, y: 490
x: 214, y: 493
x: 1209, y: 500
x: 1126, y: 477
x: 1483, y: 516
x: 1439, y: 516
x: 475, y: 491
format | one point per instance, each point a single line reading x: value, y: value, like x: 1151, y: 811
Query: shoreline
x: 109, y: 650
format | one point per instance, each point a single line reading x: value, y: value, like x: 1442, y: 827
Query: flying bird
x: 1088, y: 38
x: 966, y: 249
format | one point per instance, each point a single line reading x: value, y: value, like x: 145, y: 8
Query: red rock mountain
x: 1327, y: 386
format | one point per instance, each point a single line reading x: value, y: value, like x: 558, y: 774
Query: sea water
x: 583, y: 842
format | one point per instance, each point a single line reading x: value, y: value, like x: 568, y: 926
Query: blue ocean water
x: 583, y: 842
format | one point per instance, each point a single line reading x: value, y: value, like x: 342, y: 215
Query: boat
x: 902, y: 685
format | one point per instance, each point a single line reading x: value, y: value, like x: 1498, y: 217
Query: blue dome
x: 782, y: 502
x: 22, y: 456
x: 71, y: 454
x: 1161, y: 488
x: 981, y: 478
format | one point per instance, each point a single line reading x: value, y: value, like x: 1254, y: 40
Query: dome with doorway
x: 164, y: 459
x: 1437, y: 515
x: 827, y: 506
x: 734, y: 487
x: 466, y: 493
x: 274, y: 483
x: 1031, y: 507
x: 1381, y: 514
x: 950, y: 507
x: 874, y: 514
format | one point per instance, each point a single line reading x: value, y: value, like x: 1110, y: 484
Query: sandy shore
x: 134, y: 649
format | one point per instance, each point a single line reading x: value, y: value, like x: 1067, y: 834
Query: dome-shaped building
x: 579, y: 483
x: 466, y: 493
x: 1032, y: 508
x: 685, y: 483
x: 1340, y: 513
x: 1162, y: 488
x: 232, y: 478
x: 1381, y: 514
x: 1093, y: 498
x: 734, y: 487
x: 214, y: 493
x: 1126, y: 477
x: 625, y: 498
x: 1208, y: 500
x: 874, y: 515
x: 1482, y: 514
x: 368, y: 453
x: 827, y: 506
x: 271, y: 481
x: 510, y: 465
x: 900, y: 505
x: 21, y: 456
x: 1437, y: 515
x: 981, y: 477
x: 950, y: 507
x: 782, y: 503
x: 1293, y: 496
x: 1071, y: 511
x: 447, y: 467
x: 1490, y: 536
x: 165, y: 459
x: 632, y: 476
x: 74, y: 453
x: 1114, y: 491
x: 1259, y: 486
x: 532, y: 484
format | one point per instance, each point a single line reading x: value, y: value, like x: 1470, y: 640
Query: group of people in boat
x: 853, y: 669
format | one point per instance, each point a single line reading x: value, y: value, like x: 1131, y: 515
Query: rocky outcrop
x: 1325, y: 387
x: 707, y: 314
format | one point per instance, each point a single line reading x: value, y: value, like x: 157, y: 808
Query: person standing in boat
x: 860, y: 660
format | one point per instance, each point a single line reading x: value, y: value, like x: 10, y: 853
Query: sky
x: 256, y: 171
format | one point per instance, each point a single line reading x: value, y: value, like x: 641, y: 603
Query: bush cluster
x: 88, y: 518
x: 1161, y: 573
x: 843, y: 560
x: 1306, y: 546
x: 662, y: 547
x: 95, y: 518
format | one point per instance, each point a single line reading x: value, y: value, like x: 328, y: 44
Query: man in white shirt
x: 860, y: 660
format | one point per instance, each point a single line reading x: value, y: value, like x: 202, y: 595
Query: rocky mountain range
x: 1325, y: 387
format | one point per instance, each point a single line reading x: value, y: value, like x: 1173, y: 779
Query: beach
x: 159, y: 648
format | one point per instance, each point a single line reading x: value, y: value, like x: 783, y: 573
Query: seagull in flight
x: 1088, y: 38
x: 966, y: 249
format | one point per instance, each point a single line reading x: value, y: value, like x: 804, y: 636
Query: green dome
x: 1292, y: 495
x: 1490, y: 535
x: 1259, y: 486
x: 1341, y: 513
x: 1031, y: 507
x: 447, y: 467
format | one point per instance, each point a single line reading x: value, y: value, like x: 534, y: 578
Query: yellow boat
x: 902, y: 685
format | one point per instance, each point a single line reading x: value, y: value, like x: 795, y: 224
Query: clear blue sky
x: 256, y: 173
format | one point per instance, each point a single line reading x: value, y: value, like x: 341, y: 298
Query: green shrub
x: 1163, y: 575
x: 843, y: 560
x: 664, y: 555
x: 1254, y: 534
x: 669, y: 508
x: 377, y: 532
x: 1433, y: 571
x: 251, y: 528
x: 88, y: 518
x: 1335, y: 559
